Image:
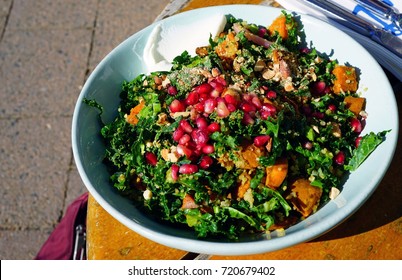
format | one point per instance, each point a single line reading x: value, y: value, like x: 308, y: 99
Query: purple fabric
x: 60, y: 244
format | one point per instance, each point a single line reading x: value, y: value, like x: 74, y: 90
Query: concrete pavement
x: 47, y: 50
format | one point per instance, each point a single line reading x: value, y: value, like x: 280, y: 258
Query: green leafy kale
x: 367, y: 145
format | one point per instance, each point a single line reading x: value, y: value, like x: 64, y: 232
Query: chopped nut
x: 268, y: 74
x: 147, y: 194
x: 259, y: 66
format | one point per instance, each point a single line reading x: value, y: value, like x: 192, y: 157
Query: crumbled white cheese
x: 166, y: 42
x: 333, y: 193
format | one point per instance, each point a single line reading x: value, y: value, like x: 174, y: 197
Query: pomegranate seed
x: 357, y: 141
x: 186, y: 126
x: 305, y: 50
x: 318, y: 88
x: 172, y: 90
x: 247, y: 97
x: 177, y: 134
x: 247, y: 107
x: 261, y: 140
x: 193, y: 148
x: 209, y: 105
x: 265, y: 114
x: 201, y: 122
x: 199, y: 107
x: 197, y: 150
x: 269, y: 108
x: 188, y: 168
x: 231, y: 108
x: 206, y: 162
x: 203, y: 89
x: 200, y: 137
x: 318, y: 115
x: 271, y: 94
x: 151, y: 158
x: 203, y: 96
x: 175, y: 171
x: 256, y: 102
x: 307, y: 110
x: 217, y: 86
x: 176, y: 106
x: 208, y: 149
x: 192, y: 98
x: 221, y: 80
x: 327, y: 90
x: 332, y: 107
x: 247, y: 119
x: 356, y: 125
x: 214, y: 93
x: 262, y: 31
x: 214, y: 127
x: 231, y: 96
x: 340, y: 158
x: 230, y: 99
x: 184, y: 139
x: 222, y: 110
x: 184, y: 151
x: 220, y: 99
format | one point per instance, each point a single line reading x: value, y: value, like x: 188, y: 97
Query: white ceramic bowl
x: 126, y: 61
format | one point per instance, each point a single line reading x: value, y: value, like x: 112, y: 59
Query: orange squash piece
x: 245, y: 180
x: 345, y: 79
x: 276, y: 173
x: 355, y: 104
x: 132, y: 117
x: 304, y: 197
x: 248, y: 157
x: 279, y: 25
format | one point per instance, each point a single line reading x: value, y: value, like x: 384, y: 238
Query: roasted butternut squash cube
x: 248, y: 157
x: 304, y: 197
x: 279, y: 25
x: 244, y: 184
x: 276, y: 174
x: 132, y: 117
x: 355, y: 104
x: 345, y: 79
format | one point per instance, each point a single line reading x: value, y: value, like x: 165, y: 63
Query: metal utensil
x: 383, y: 10
x: 386, y: 39
x: 80, y: 243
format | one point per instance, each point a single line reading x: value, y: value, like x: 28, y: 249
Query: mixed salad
x: 253, y: 134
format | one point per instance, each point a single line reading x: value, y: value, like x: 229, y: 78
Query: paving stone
x: 35, y: 154
x: 21, y: 244
x: 4, y: 10
x: 117, y: 20
x: 75, y: 187
x: 52, y: 14
x: 44, y: 52
x: 42, y: 71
